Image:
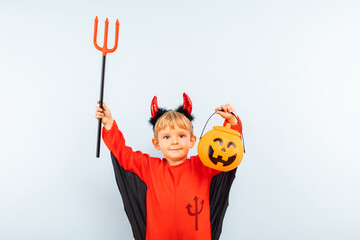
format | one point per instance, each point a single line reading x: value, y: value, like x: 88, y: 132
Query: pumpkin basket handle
x: 242, y: 136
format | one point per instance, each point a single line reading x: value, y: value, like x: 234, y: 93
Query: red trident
x: 104, y: 51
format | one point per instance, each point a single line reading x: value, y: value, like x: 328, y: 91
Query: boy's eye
x: 182, y: 135
x: 166, y: 137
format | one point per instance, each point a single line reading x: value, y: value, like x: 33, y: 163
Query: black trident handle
x: 101, y: 105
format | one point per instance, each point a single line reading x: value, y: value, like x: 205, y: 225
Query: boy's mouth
x: 176, y: 149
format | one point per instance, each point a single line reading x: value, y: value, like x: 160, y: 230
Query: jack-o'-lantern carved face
x: 223, y: 152
x: 221, y: 148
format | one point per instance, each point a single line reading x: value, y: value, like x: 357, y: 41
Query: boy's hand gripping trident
x: 104, y: 51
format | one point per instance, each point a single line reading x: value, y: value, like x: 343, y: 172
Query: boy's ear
x: 192, y: 141
x: 155, y: 142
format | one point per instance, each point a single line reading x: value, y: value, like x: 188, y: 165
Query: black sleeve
x: 133, y: 192
x: 219, y: 200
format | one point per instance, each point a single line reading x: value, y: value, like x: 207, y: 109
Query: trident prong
x: 105, y: 49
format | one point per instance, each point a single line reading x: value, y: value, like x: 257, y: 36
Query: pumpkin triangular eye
x: 231, y: 144
x: 218, y: 140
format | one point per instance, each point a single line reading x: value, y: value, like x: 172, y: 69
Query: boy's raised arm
x: 133, y: 161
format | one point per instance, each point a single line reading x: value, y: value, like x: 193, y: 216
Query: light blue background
x: 290, y: 68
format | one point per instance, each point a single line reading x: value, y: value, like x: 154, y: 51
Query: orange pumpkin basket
x: 221, y: 148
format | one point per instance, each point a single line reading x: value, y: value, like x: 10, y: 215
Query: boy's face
x: 174, y: 144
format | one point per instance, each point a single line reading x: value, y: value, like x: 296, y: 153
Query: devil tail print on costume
x: 196, y: 212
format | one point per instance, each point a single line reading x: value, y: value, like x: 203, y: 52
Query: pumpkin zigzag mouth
x: 219, y: 158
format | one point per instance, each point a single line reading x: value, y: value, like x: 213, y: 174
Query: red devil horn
x: 187, y: 105
x: 154, y: 107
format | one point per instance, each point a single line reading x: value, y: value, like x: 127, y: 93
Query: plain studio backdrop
x: 290, y: 68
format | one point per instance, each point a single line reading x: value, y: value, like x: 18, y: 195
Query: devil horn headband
x: 154, y: 107
x: 157, y: 112
x: 187, y: 104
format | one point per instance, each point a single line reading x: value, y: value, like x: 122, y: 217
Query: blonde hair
x: 170, y: 119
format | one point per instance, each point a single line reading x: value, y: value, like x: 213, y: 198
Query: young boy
x: 175, y: 197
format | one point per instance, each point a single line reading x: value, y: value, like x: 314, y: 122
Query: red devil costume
x: 185, y: 201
